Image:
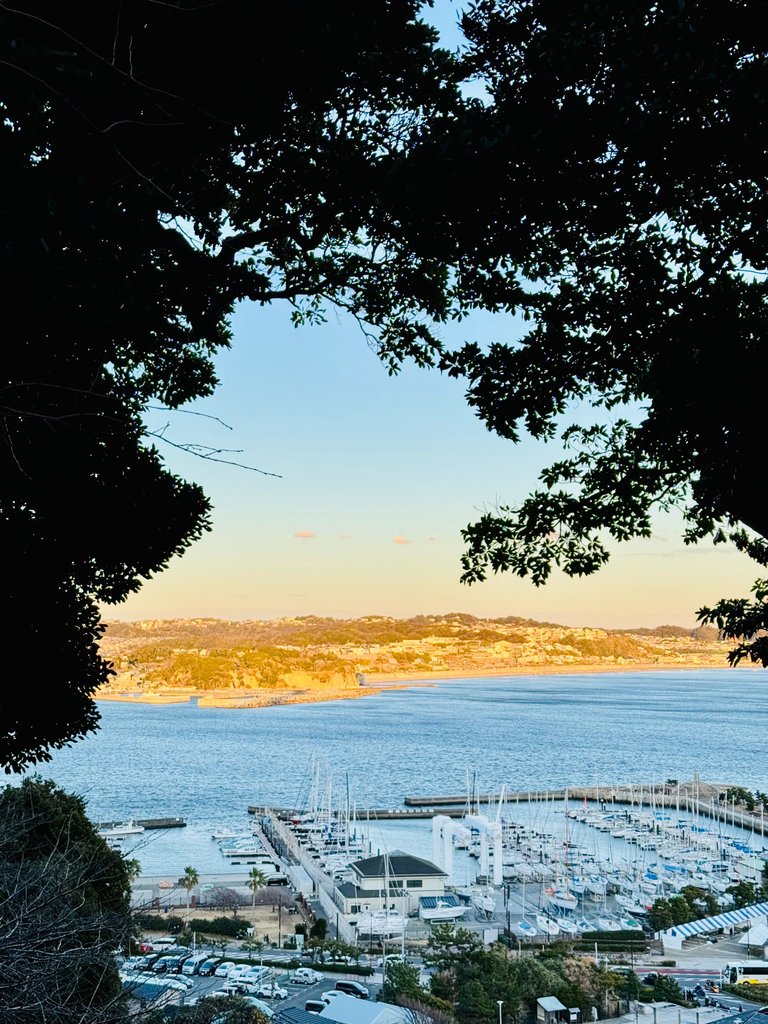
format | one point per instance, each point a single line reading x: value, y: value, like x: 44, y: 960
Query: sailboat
x: 560, y: 898
x: 384, y: 922
x: 548, y: 925
x: 523, y: 928
x: 567, y: 926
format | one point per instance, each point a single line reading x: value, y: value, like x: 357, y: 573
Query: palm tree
x: 256, y: 880
x: 188, y: 881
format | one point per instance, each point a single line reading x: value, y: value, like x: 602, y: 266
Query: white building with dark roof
x: 393, y: 881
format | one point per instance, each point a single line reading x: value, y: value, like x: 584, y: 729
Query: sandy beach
x: 378, y: 683
x: 424, y: 678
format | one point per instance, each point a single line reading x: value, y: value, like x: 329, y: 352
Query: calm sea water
x: 208, y: 765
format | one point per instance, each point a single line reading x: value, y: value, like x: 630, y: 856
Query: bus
x: 746, y: 972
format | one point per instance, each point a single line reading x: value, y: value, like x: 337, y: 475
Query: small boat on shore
x: 441, y: 908
x: 547, y: 925
x: 524, y: 929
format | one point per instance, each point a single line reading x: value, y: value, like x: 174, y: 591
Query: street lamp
x: 500, y: 1003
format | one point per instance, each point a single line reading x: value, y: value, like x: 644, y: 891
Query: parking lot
x: 163, y: 976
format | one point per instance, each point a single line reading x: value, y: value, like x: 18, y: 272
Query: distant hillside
x: 319, y: 653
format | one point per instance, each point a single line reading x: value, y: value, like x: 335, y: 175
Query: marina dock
x: 693, y: 797
x: 696, y: 797
x: 377, y: 813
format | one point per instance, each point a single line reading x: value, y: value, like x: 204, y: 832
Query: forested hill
x: 216, y: 654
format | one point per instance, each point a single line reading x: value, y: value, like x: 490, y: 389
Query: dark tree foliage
x: 228, y: 1010
x: 162, y: 162
x: 621, y: 210
x: 64, y: 911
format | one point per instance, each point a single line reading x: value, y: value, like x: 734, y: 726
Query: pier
x: 146, y: 823
x: 693, y: 797
x: 376, y: 813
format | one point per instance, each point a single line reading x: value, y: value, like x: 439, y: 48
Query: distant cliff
x: 261, y: 661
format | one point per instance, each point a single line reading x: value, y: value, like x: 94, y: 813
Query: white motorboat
x: 524, y: 929
x: 441, y: 908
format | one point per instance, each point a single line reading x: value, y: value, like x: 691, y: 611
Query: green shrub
x: 159, y: 923
x: 230, y: 927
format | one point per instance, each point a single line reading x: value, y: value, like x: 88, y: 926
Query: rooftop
x: 397, y: 865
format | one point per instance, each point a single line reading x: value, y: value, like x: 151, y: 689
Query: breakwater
x: 695, y: 797
x: 147, y: 823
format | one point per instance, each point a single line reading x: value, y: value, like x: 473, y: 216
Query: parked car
x: 207, y: 967
x: 256, y: 974
x: 352, y: 988
x: 236, y: 971
x: 370, y: 961
x: 271, y: 991
x: 306, y: 976
x: 176, y: 963
x: 315, y: 1005
x: 180, y: 981
x: 332, y: 994
x: 193, y: 963
x: 163, y: 964
x: 222, y: 971
x: 144, y: 963
x: 234, y: 987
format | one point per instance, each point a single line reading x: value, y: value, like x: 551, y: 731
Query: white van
x: 192, y: 963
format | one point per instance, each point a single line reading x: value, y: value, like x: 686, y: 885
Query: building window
x: 414, y: 883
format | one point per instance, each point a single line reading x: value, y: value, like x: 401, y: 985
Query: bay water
x: 208, y: 765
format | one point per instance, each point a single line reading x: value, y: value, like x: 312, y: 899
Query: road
x: 689, y: 980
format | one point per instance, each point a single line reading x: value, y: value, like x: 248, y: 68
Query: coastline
x: 386, y: 682
x: 385, y: 679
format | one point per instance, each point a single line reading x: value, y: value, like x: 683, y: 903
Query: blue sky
x: 377, y: 476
